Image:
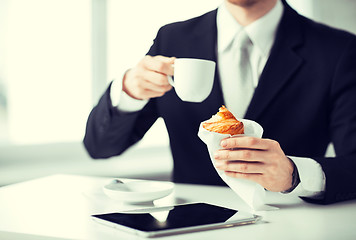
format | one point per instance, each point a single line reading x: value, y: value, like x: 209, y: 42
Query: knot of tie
x: 242, y: 40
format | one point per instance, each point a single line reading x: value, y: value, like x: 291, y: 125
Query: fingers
x: 154, y: 87
x: 240, y: 167
x: 239, y: 154
x: 149, y: 78
x: 156, y: 79
x: 259, y: 160
x: 146, y: 89
x: 159, y: 64
x: 248, y: 142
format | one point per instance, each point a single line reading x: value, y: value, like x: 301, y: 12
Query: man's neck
x: 248, y: 13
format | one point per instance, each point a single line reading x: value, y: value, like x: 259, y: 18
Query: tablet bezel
x: 239, y: 218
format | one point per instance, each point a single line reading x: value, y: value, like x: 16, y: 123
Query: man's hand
x: 148, y: 78
x: 259, y: 160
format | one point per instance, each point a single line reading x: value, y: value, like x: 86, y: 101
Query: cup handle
x: 170, y: 80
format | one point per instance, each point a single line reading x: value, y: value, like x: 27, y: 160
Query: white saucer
x: 138, y: 190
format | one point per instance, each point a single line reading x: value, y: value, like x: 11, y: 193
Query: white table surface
x: 59, y: 207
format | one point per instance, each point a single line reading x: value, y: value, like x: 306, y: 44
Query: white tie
x: 240, y: 86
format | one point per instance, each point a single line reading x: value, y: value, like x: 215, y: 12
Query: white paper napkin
x: 252, y: 193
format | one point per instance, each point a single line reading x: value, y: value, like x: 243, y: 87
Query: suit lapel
x: 281, y: 65
x: 205, y: 39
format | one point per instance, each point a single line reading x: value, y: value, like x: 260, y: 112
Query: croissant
x: 224, y: 122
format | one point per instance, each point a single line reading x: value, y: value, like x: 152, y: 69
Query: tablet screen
x: 173, y: 218
x: 177, y: 217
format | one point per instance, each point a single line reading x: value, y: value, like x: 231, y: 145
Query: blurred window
x: 45, y: 70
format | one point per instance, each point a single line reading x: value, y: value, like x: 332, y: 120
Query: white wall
x: 337, y: 13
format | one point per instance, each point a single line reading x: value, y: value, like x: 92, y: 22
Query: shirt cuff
x: 122, y: 101
x: 312, y: 178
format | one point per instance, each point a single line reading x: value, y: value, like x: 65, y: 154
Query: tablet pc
x: 184, y: 218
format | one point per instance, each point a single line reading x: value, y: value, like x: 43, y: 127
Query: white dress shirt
x: 262, y: 34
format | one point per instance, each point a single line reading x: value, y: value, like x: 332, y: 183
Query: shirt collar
x: 261, y: 32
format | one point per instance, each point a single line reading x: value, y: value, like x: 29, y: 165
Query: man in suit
x: 304, y: 98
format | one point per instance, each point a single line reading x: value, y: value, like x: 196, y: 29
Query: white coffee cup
x: 193, y: 78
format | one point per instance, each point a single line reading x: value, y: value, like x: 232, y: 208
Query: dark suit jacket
x: 305, y: 99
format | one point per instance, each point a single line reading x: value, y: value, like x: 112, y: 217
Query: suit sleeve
x: 109, y: 132
x: 340, y: 171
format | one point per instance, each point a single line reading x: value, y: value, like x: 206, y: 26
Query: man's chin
x: 244, y: 3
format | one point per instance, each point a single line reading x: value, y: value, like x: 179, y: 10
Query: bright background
x: 58, y: 56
